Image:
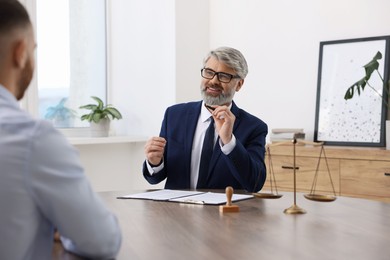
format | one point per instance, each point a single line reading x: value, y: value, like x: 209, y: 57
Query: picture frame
x: 359, y: 121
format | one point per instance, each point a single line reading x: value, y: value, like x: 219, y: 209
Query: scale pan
x: 317, y: 197
x: 267, y: 195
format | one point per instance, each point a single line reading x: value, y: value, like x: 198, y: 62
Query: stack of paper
x: 286, y: 134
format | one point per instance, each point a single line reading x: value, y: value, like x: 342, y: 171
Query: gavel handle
x: 229, y: 195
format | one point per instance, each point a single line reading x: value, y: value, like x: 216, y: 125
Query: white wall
x: 281, y: 42
x: 142, y: 62
x: 114, y: 166
x: 192, y: 44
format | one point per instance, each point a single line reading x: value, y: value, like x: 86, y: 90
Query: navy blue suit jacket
x: 243, y: 168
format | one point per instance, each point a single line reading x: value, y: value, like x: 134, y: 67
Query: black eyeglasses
x: 222, y: 76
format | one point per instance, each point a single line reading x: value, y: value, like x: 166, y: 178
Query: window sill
x: 106, y: 140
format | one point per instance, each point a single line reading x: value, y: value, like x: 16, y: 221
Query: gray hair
x: 232, y: 58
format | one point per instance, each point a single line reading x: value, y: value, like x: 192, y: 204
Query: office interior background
x: 155, y: 52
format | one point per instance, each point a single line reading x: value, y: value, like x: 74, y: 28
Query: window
x: 71, y: 58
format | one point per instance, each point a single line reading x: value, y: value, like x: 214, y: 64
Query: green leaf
x: 90, y: 107
x: 349, y: 93
x: 99, y: 101
x: 100, y: 111
x: 85, y: 117
x: 373, y: 65
x: 359, y: 85
x: 96, y: 117
x: 378, y: 56
x: 370, y: 68
x: 113, y: 112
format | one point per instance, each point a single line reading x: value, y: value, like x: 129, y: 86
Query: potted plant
x: 60, y: 115
x: 100, y: 117
x: 360, y: 85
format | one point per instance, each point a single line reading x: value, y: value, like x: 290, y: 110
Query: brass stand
x: 318, y: 197
x: 294, y: 209
x: 272, y: 195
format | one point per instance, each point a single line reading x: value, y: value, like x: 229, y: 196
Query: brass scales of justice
x: 295, y: 209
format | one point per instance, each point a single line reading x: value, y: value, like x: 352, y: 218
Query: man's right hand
x: 154, y: 150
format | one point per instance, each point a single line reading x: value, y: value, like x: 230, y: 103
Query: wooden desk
x: 347, y: 228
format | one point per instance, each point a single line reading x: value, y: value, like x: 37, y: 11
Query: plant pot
x: 100, y: 129
x: 387, y: 129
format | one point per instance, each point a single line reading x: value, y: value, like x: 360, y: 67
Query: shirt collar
x: 204, y: 113
x: 7, y: 95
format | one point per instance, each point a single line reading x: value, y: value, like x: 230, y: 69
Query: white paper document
x: 160, y: 194
x: 210, y: 198
x: 192, y: 197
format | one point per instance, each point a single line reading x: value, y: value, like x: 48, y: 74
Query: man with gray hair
x: 210, y: 144
x: 42, y: 182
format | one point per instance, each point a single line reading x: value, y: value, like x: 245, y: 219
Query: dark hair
x: 12, y: 15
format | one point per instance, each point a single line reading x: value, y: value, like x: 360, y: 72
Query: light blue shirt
x: 43, y: 186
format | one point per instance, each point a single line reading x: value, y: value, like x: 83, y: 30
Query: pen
x: 122, y: 197
x: 189, y: 201
x: 210, y: 107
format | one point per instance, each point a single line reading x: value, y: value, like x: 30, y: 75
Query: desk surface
x: 347, y: 228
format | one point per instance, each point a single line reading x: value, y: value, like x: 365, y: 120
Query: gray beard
x: 222, y: 99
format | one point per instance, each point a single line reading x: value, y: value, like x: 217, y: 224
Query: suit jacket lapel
x: 236, y: 112
x: 190, y: 123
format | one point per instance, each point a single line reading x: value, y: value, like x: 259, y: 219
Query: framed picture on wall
x: 358, y: 121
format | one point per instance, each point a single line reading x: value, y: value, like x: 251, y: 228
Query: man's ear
x: 239, y: 84
x: 19, y: 53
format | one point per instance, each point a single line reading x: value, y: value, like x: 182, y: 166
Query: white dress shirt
x: 42, y: 187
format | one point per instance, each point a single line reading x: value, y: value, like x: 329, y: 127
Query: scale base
x: 294, y: 209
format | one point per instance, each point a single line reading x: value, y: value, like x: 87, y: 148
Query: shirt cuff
x: 153, y: 170
x: 228, y: 148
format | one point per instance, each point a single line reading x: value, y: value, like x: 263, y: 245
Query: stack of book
x: 286, y: 134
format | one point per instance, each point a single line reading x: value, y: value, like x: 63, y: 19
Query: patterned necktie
x: 207, y: 151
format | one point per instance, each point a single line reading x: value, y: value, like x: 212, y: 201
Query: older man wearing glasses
x: 210, y: 144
